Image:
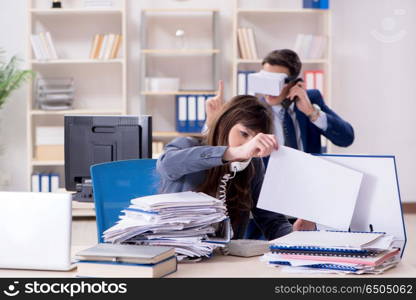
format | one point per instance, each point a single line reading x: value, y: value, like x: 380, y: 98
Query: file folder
x: 181, y: 114
x: 192, y: 114
x: 201, y: 111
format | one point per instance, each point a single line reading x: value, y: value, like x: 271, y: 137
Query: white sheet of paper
x: 311, y: 188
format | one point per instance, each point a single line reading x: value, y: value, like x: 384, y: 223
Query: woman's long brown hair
x: 257, y: 116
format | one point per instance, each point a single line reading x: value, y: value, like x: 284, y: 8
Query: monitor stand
x: 83, y: 192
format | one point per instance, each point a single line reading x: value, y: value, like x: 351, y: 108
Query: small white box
x: 164, y: 84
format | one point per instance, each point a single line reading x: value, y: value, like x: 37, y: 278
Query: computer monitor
x: 91, y: 140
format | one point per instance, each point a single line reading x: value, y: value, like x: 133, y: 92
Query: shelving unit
x: 77, y: 61
x: 161, y: 104
x: 264, y: 20
x: 324, y: 63
x: 100, y: 85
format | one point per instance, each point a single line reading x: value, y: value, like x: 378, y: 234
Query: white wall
x: 374, y: 64
x: 13, y: 160
x: 372, y: 79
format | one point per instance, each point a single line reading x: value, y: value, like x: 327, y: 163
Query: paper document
x: 310, y: 188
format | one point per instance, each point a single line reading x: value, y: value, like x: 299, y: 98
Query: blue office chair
x: 116, y: 183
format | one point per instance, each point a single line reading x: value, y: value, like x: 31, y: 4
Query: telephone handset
x: 287, y: 102
x: 239, y: 166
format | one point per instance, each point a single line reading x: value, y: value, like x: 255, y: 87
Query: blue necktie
x: 289, y: 131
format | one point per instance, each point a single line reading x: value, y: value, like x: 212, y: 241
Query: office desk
x: 224, y: 266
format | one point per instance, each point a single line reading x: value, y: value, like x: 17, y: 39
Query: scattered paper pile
x: 188, y: 221
x: 334, y: 252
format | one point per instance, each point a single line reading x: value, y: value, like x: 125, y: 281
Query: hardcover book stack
x: 108, y: 260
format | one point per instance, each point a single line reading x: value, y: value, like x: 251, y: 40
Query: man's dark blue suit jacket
x: 339, y: 132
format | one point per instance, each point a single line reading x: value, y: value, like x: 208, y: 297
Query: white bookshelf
x: 265, y: 23
x: 74, y: 11
x: 76, y: 61
x: 203, y: 44
x: 95, y: 94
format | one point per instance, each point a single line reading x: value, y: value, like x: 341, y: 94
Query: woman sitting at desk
x: 242, y: 131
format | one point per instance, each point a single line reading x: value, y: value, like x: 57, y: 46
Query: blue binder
x: 245, y: 86
x: 116, y: 183
x: 316, y: 4
x: 190, y: 112
x: 182, y: 113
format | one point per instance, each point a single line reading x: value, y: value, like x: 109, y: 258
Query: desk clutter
x: 108, y: 260
x: 193, y: 223
x: 333, y: 252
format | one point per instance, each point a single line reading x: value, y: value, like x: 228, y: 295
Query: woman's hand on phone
x: 259, y: 146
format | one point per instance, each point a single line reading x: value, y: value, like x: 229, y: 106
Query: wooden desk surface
x: 225, y: 266
x: 229, y: 266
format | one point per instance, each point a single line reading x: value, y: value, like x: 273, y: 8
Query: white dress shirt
x: 321, y: 122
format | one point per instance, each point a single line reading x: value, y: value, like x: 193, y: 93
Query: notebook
x: 375, y: 260
x: 328, y: 239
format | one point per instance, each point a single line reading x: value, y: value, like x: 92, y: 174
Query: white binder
x: 378, y: 206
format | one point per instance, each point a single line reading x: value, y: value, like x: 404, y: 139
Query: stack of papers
x: 334, y: 252
x: 187, y: 221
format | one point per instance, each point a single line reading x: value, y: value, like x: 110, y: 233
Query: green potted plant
x: 11, y: 77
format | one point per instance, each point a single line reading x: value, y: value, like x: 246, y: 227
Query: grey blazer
x: 183, y: 165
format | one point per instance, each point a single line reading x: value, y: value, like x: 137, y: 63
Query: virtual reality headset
x: 268, y: 83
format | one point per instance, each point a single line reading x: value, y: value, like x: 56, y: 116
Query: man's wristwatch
x: 316, y: 112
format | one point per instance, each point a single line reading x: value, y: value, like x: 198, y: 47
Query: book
x: 52, y: 48
x: 116, y: 260
x: 309, y: 46
x: 243, y: 44
x: 120, y: 269
x: 99, y: 45
x: 252, y: 43
x: 94, y: 46
x: 109, y: 47
x: 328, y: 239
x: 138, y: 254
x: 246, y: 40
x: 35, y: 46
x: 116, y: 46
x: 44, y: 46
x: 103, y: 48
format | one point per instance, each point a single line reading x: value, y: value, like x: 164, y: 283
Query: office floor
x: 84, y: 233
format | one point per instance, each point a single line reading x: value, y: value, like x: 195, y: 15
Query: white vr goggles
x: 267, y: 83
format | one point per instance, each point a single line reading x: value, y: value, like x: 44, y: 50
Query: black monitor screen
x: 91, y: 140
